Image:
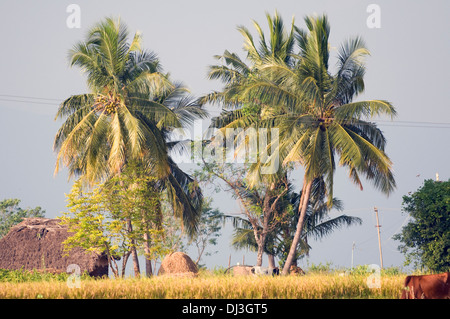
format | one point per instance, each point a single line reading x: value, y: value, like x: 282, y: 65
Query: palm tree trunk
x: 259, y: 255
x: 271, y: 260
x: 302, y: 207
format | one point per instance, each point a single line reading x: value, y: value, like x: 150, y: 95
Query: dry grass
x: 313, y: 286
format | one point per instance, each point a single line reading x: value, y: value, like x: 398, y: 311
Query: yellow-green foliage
x: 212, y: 286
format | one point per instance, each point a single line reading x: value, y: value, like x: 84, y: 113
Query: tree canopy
x: 11, y: 214
x: 426, y: 238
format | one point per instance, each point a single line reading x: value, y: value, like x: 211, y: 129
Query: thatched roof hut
x: 178, y: 264
x: 36, y: 243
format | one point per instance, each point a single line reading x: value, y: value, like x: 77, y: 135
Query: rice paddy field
x: 206, y: 285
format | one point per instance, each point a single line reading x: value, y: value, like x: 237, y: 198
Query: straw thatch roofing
x: 36, y: 243
x: 178, y: 264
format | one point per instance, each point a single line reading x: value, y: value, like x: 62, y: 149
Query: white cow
x: 258, y: 271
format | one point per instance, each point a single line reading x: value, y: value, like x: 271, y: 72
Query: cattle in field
x: 240, y: 270
x: 257, y: 270
x: 427, y: 287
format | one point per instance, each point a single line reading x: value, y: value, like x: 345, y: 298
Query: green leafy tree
x: 117, y: 218
x: 259, y: 206
x: 91, y: 228
x: 11, y: 214
x: 317, y: 225
x: 426, y: 238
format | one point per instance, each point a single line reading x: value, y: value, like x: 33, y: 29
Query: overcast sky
x: 409, y: 66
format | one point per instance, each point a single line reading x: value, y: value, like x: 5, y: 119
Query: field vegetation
x: 208, y: 284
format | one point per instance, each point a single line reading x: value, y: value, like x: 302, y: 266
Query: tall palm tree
x: 116, y: 121
x: 131, y: 108
x: 318, y: 119
x: 239, y: 112
x: 235, y: 72
x: 279, y: 45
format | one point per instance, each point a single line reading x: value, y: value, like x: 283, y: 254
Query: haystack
x: 178, y: 264
x: 294, y: 270
x: 36, y: 243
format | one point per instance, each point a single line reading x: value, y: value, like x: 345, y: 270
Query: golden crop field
x: 311, y: 286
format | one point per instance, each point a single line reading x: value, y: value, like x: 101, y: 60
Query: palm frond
x: 68, y: 148
x: 325, y: 228
x: 74, y: 104
x: 351, y: 69
x: 182, y: 203
x: 363, y: 109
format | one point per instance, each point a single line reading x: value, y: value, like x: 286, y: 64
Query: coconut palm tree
x: 239, y: 112
x: 235, y: 72
x: 241, y: 108
x: 318, y: 120
x: 105, y: 128
x: 126, y: 117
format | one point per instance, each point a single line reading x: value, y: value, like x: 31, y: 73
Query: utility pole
x: 353, y: 248
x: 379, y: 237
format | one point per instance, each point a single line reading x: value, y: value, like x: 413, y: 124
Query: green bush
x: 23, y: 275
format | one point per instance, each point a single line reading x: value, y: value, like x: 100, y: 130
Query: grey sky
x: 409, y: 66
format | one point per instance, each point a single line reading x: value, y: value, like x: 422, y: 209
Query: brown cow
x: 427, y: 287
